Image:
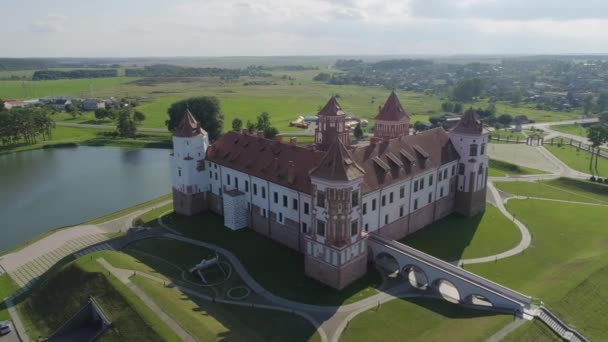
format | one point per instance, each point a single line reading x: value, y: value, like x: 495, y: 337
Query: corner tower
x: 190, y: 184
x: 470, y: 140
x: 331, y: 125
x: 392, y: 121
x: 335, y: 251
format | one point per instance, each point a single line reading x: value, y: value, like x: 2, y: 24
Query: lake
x: 45, y: 189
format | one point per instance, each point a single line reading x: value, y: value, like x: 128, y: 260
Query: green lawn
x: 499, y: 168
x: 72, y: 136
x: 277, y: 268
x: 149, y: 219
x: 423, y: 319
x: 533, y: 331
x: 7, y: 287
x: 212, y: 322
x: 568, y: 247
x: 66, y: 289
x: 571, y: 129
x: 579, y: 159
x: 507, y: 133
x: 562, y: 189
x: 458, y: 237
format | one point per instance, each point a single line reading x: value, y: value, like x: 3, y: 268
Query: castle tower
x: 190, y: 183
x: 335, y: 248
x: 331, y: 125
x: 470, y: 140
x: 392, y: 121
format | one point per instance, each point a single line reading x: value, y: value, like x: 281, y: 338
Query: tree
x: 250, y: 126
x: 588, y: 104
x: 322, y: 77
x: 358, y: 132
x: 419, y: 126
x: 126, y: 125
x: 604, y: 118
x: 457, y: 107
x: 505, y: 119
x: 138, y: 117
x: 602, y: 102
x: 516, y: 97
x: 466, y: 90
x: 102, y: 113
x: 270, y: 132
x: 597, y: 135
x: 206, y: 110
x: 237, y: 124
x: 263, y: 121
x: 435, y: 120
x: 447, y: 107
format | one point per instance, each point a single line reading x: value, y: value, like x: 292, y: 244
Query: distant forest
x: 42, y: 75
x: 166, y: 70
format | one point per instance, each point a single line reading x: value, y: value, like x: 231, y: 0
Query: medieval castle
x: 323, y: 200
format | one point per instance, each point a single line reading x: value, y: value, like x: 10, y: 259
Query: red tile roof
x: 332, y: 108
x: 392, y: 110
x: 188, y: 127
x: 338, y: 164
x: 469, y: 124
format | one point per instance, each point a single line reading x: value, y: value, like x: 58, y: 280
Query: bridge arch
x: 416, y: 276
x: 476, y: 299
x: 447, y: 290
x: 387, y: 262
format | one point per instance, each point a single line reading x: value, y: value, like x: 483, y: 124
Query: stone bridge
x: 452, y: 282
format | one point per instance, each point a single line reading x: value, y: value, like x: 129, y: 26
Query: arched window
x: 483, y: 149
x: 480, y: 171
x: 473, y: 150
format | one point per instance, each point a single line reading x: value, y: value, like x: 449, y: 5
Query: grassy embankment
x: 7, y: 287
x: 579, y: 159
x: 570, y: 129
x: 499, y: 168
x: 566, y: 189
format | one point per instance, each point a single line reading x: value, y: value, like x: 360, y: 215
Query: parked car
x: 5, y: 327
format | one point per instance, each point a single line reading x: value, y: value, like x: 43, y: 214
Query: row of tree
x: 127, y: 119
x: 598, y: 135
x: 42, y: 75
x: 25, y: 125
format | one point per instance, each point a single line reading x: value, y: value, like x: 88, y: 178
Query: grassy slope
x: 533, y: 331
x: 93, y: 137
x: 57, y: 299
x: 457, y: 237
x: 499, y: 168
x: 423, y: 319
x: 212, y: 322
x: 578, y: 160
x: 7, y: 287
x: 149, y: 219
x: 571, y: 129
x: 562, y: 189
x: 277, y: 268
x: 129, y: 210
x: 566, y: 249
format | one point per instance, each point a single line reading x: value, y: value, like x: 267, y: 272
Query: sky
x: 137, y: 28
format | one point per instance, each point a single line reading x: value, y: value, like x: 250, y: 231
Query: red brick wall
x: 287, y: 233
x: 421, y: 217
x: 215, y: 203
x: 257, y: 222
x: 352, y: 271
x: 471, y: 203
x: 325, y: 273
x: 395, y: 230
x: 189, y: 204
x: 444, y: 206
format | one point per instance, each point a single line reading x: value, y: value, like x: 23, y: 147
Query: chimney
x: 279, y: 138
x: 260, y: 134
x: 293, y: 141
x: 275, y: 163
x: 245, y: 131
x: 291, y: 172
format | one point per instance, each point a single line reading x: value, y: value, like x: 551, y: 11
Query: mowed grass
x: 568, y: 246
x: 212, y: 322
x: 458, y: 237
x: 570, y: 129
x: 276, y: 267
x: 500, y: 168
x: 86, y: 87
x: 7, y: 287
x: 423, y: 319
x: 55, y: 300
x: 130, y: 210
x: 532, y: 331
x: 508, y: 133
x: 579, y: 159
x: 566, y: 189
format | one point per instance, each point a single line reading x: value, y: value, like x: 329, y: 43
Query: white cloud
x: 49, y: 24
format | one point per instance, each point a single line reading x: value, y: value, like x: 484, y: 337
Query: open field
x: 579, y: 159
x: 566, y: 250
x: 499, y: 168
x: 211, y: 322
x: 562, y: 189
x: 423, y: 319
x: 571, y: 129
x: 50, y: 303
x: 85, y: 87
x: 277, y: 268
x: 457, y: 237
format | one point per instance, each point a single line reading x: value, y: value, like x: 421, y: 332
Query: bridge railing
x: 455, y: 270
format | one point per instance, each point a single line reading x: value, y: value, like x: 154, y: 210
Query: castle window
x: 439, y: 176
x: 294, y: 204
x: 400, y: 211
x: 483, y: 149
x: 453, y: 170
x: 355, y: 198
x: 285, y: 201
x: 263, y: 212
x: 383, y: 200
x: 246, y: 186
x: 402, y: 192
x: 304, y: 228
x: 441, y: 192
x: 215, y: 166
x: 276, y: 197
x: 228, y: 179
x: 386, y: 219
x: 255, y: 189
x: 415, y: 186
x: 421, y: 183
x: 306, y: 209
x: 415, y: 204
x: 366, y: 227
x: 390, y: 198
x: 445, y: 173
x: 263, y: 192
x: 236, y: 183
x: 480, y: 171
x: 210, y: 174
x: 354, y: 228
x: 374, y: 204
x: 364, y: 208
x: 209, y: 163
x: 321, y: 199
x: 430, y: 197
x: 320, y: 228
x: 461, y: 169
x: 179, y: 172
x: 430, y: 180
x: 473, y: 150
x: 281, y: 217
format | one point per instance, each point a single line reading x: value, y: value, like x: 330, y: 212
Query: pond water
x: 45, y: 189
